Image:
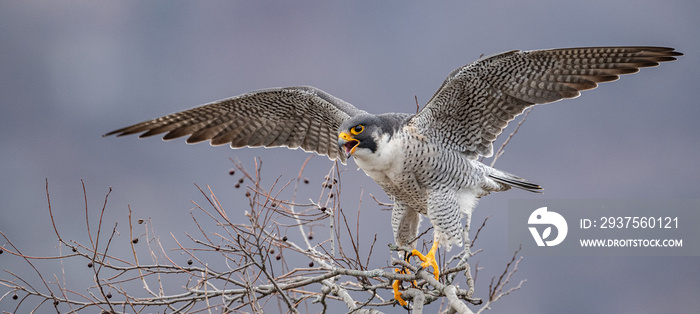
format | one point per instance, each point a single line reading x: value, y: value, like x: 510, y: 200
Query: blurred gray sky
x: 71, y: 71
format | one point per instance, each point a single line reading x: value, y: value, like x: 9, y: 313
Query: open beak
x: 347, y: 143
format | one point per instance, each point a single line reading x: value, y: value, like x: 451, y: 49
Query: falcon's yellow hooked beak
x: 347, y: 143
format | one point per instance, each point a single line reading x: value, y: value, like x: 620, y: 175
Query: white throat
x: 388, y: 153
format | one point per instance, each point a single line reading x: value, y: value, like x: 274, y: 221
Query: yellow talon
x: 397, y: 293
x: 429, y: 259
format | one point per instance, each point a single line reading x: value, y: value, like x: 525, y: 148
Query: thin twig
x: 246, y: 266
x: 501, y: 149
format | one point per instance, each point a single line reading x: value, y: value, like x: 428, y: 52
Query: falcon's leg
x: 445, y: 213
x: 429, y: 258
x: 404, y: 222
x: 396, y: 284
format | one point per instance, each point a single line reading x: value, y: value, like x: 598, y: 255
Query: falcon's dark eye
x: 357, y: 129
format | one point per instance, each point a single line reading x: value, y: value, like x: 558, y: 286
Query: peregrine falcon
x: 425, y: 162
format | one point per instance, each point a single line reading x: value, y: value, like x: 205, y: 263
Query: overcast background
x: 71, y: 71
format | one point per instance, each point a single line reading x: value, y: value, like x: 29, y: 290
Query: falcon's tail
x: 514, y: 181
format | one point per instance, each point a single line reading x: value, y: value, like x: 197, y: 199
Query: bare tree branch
x: 267, y: 262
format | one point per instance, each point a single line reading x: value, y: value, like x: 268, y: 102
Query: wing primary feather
x: 484, y: 94
x: 290, y: 116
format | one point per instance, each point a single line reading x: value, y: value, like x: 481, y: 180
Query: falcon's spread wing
x: 294, y: 117
x: 476, y: 102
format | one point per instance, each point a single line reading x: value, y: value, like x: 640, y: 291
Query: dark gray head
x: 365, y: 130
